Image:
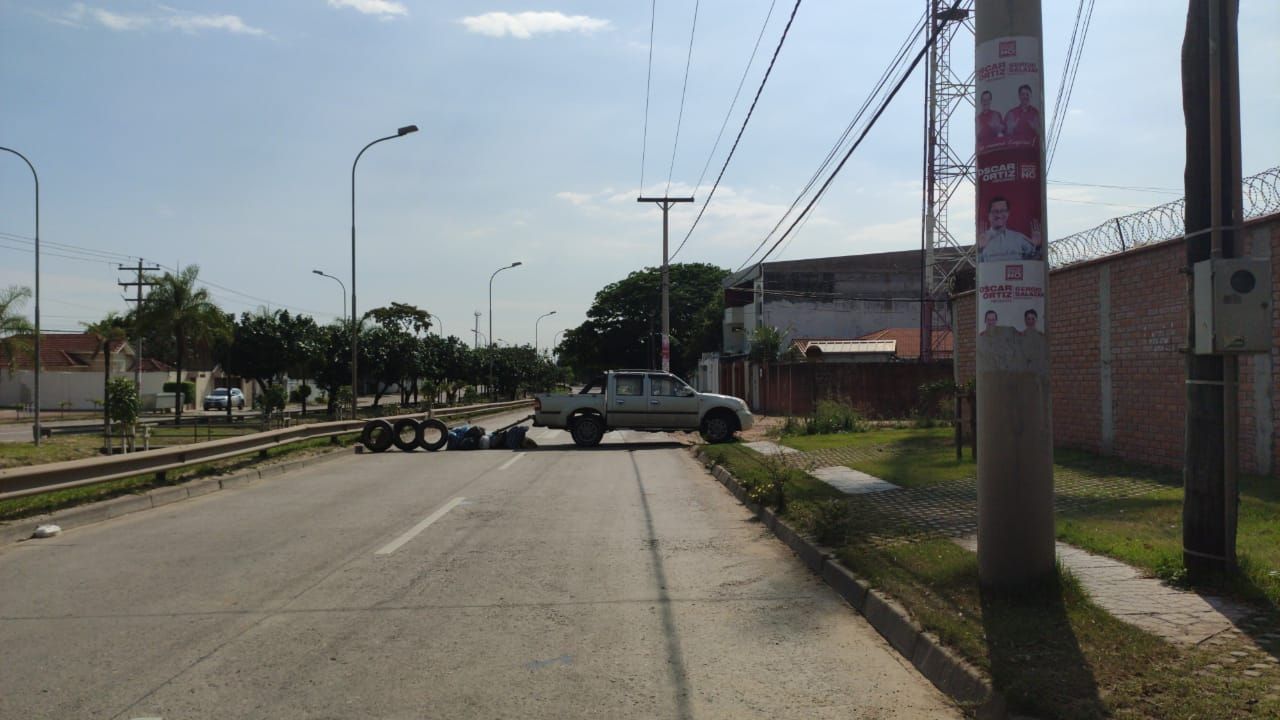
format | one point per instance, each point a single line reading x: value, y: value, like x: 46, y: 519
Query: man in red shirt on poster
x: 990, y: 124
x: 1022, y: 123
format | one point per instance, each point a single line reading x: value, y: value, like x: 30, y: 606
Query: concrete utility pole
x: 665, y: 203
x: 137, y: 285
x: 1015, y: 434
x: 1211, y: 105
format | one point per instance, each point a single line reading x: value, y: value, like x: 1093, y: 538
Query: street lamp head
x: 553, y: 312
x: 317, y: 272
x: 516, y: 264
x: 406, y: 130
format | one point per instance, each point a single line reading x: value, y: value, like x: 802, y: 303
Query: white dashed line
x: 413, y: 531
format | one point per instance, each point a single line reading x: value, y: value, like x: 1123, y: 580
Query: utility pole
x: 1015, y: 433
x: 665, y: 203
x: 138, y: 285
x: 1211, y: 106
x: 475, y: 334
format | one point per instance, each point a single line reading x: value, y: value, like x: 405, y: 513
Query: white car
x: 218, y: 399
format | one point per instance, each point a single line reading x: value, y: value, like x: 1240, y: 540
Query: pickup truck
x: 646, y: 400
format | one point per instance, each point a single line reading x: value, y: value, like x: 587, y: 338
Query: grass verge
x: 1051, y: 651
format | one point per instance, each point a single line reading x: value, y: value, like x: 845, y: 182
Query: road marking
x: 511, y: 462
x: 413, y: 531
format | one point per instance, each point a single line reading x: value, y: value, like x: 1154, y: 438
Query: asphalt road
x: 619, y: 582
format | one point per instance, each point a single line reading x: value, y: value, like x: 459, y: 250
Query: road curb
x: 948, y: 672
x: 70, y: 518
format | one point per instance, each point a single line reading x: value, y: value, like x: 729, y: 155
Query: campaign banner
x: 1011, y: 294
x: 1010, y: 172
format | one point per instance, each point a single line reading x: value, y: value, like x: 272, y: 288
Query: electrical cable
x: 644, y: 143
x: 886, y: 77
x: 884, y: 105
x: 745, y: 71
x: 1074, y: 53
x: 742, y: 129
x: 688, y: 61
x: 1134, y: 188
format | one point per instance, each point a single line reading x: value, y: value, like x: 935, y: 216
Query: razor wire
x: 1261, y: 195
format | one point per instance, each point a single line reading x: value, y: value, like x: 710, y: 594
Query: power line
x: 884, y: 105
x: 1069, y: 69
x: 688, y: 61
x: 1135, y: 188
x: 745, y: 71
x: 886, y: 77
x: 742, y: 129
x: 644, y: 143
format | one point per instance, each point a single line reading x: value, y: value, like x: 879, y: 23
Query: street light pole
x: 490, y: 335
x: 355, y: 325
x: 535, y: 330
x: 344, y: 291
x: 35, y: 429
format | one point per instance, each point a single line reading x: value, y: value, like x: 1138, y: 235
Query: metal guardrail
x: 35, y: 479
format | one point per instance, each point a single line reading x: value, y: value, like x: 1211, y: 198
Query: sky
x: 222, y: 134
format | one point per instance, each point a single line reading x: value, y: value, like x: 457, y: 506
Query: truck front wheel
x: 587, y: 430
x: 718, y: 427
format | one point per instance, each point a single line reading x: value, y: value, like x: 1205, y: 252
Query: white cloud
x: 384, y: 8
x: 166, y: 19
x: 527, y: 24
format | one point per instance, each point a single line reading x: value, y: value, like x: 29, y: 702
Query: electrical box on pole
x: 1232, y: 306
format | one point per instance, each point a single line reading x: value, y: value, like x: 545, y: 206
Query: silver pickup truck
x: 644, y: 400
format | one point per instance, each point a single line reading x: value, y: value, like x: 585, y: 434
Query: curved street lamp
x: 554, y: 341
x: 491, y: 277
x: 355, y: 324
x: 535, y: 330
x: 341, y: 285
x: 35, y: 429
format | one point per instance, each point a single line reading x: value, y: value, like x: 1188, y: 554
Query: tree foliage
x: 15, y: 330
x: 177, y: 310
x: 624, y: 324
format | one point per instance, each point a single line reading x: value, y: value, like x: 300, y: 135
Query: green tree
x: 624, y: 322
x: 177, y: 309
x: 15, y: 330
x: 108, y: 330
x: 266, y: 345
x: 332, y: 368
x: 121, y: 402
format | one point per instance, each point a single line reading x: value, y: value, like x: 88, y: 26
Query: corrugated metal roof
x: 849, y: 347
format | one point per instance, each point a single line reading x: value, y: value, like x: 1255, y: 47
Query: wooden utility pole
x: 1014, y: 433
x: 1211, y: 106
x: 665, y: 203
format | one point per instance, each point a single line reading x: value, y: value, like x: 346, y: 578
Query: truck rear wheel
x: 587, y: 430
x: 718, y: 427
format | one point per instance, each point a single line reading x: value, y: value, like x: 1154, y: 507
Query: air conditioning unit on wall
x: 1233, y: 306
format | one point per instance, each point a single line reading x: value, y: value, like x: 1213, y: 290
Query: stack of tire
x: 406, y: 434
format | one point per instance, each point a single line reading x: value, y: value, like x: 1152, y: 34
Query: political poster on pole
x: 1010, y: 167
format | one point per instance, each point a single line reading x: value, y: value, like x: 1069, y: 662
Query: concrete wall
x: 78, y: 389
x: 1117, y: 329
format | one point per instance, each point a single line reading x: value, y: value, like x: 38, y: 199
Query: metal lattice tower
x: 945, y: 171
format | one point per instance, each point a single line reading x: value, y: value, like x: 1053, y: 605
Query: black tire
x: 376, y: 435
x: 429, y: 428
x: 398, y: 431
x: 587, y: 430
x: 718, y: 427
x: 206, y: 408
x: 241, y: 404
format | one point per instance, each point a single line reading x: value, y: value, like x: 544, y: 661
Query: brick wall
x: 1148, y: 328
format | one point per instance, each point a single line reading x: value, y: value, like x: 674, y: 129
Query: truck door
x: 627, y: 407
x: 672, y: 403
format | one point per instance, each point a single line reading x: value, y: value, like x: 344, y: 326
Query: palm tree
x: 108, y: 330
x: 177, y: 308
x: 15, y: 331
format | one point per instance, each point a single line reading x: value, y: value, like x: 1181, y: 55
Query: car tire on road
x: 429, y: 429
x: 397, y: 434
x: 717, y: 427
x: 587, y: 430
x: 377, y: 435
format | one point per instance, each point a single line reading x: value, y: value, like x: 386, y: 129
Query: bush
x: 122, y: 401
x: 273, y: 399
x: 188, y: 390
x: 300, y: 393
x: 833, y: 417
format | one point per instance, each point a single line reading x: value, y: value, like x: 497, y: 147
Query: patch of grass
x: 752, y: 469
x: 53, y: 449
x: 48, y: 502
x: 1052, y: 652
x: 871, y: 438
